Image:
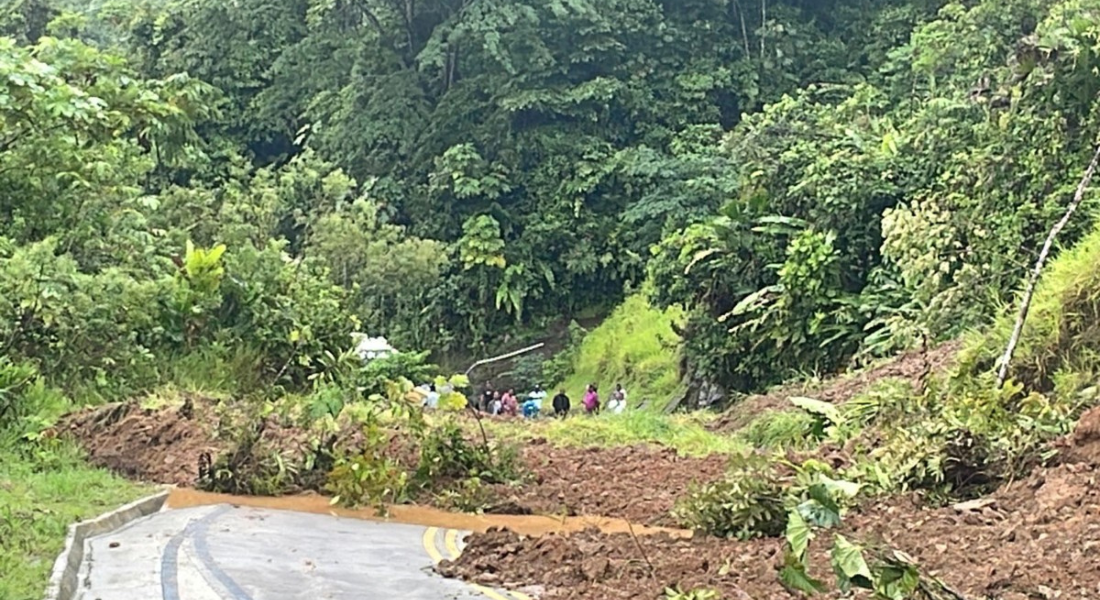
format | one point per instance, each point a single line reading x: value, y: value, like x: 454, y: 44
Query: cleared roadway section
x: 225, y: 552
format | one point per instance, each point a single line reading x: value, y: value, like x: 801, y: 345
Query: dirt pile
x: 1035, y: 539
x: 588, y: 565
x: 153, y: 445
x: 637, y: 483
x: 911, y: 367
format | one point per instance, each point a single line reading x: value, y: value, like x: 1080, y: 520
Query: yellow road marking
x: 450, y: 538
x: 429, y: 545
x: 521, y: 596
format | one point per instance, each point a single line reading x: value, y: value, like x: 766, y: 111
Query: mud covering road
x: 1036, y: 539
x: 224, y: 552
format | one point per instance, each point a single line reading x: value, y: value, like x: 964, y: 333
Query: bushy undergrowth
x: 960, y: 436
x: 376, y: 450
x: 637, y: 347
x: 780, y: 430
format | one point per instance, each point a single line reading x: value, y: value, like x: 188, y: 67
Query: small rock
x: 113, y: 545
x: 1048, y: 593
x: 974, y: 505
x: 594, y: 570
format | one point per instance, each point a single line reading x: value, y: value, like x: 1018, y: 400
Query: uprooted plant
x: 747, y: 503
x: 888, y: 574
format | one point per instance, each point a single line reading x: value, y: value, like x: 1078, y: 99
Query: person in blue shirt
x: 530, y: 408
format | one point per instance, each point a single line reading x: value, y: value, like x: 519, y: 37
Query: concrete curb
x: 63, y: 579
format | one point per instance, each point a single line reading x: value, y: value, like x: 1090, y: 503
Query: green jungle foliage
x: 811, y: 183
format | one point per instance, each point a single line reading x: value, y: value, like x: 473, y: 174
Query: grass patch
x: 43, y: 489
x: 636, y: 347
x: 685, y: 433
x: 780, y: 430
x: 1058, y: 345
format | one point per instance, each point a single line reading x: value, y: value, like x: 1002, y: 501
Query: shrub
x: 748, y: 503
x: 15, y: 380
x: 780, y: 430
x: 369, y: 477
x: 445, y: 453
x: 469, y: 495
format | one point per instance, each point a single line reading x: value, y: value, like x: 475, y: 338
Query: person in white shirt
x: 617, y: 404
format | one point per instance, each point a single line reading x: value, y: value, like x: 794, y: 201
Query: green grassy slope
x: 635, y: 346
x: 44, y: 488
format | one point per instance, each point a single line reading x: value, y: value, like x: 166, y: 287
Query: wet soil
x: 911, y: 367
x: 152, y: 445
x: 638, y: 483
x: 533, y: 525
x: 1036, y: 539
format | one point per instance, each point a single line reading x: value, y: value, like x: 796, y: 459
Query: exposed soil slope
x: 1034, y: 539
x: 152, y: 445
x: 637, y: 483
x: 911, y: 367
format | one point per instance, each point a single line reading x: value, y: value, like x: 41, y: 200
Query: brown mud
x: 531, y: 525
x: 910, y: 367
x: 152, y: 445
x: 1036, y: 539
x: 638, y: 483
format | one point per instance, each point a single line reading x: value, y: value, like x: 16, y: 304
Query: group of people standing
x: 494, y: 402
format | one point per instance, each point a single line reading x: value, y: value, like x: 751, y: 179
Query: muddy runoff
x: 526, y: 525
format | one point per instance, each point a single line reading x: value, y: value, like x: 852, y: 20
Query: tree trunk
x: 1033, y: 280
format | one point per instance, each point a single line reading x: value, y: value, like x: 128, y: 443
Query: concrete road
x: 229, y: 553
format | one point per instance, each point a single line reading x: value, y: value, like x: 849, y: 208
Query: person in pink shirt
x: 509, y: 404
x: 592, y: 400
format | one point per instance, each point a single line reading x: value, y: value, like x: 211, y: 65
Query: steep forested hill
x: 813, y: 181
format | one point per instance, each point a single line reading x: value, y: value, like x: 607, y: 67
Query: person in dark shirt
x: 561, y: 404
x: 486, y: 398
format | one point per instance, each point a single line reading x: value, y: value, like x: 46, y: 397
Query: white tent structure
x: 369, y: 348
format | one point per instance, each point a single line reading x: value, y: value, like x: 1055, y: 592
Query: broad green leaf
x: 817, y: 407
x: 820, y: 510
x: 846, y: 489
x: 849, y: 564
x: 798, y: 534
x: 793, y: 576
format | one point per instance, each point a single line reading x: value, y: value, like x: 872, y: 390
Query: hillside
x: 819, y: 211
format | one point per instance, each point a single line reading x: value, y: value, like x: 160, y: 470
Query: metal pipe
x: 503, y: 357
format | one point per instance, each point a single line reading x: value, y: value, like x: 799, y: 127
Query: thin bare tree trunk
x: 1025, y: 302
x: 744, y: 28
x: 763, y: 26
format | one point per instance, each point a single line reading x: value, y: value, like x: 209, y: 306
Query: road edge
x: 63, y: 578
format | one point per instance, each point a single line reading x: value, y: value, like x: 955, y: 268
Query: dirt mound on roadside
x: 911, y: 367
x: 1034, y: 539
x: 588, y: 565
x: 637, y: 483
x: 153, y: 445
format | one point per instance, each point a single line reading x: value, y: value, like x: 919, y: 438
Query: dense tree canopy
x: 814, y: 181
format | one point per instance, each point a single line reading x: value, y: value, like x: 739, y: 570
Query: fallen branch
x: 1033, y: 280
x: 638, y: 544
